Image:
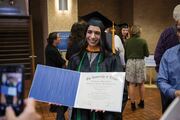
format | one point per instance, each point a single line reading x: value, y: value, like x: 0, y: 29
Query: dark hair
x: 78, y: 30
x: 77, y: 33
x: 102, y: 42
x: 96, y: 22
x: 76, y: 39
x: 52, y: 36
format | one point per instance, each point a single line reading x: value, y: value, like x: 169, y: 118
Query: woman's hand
x: 97, y: 110
x: 177, y: 93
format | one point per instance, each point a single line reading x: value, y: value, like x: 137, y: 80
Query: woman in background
x: 54, y: 59
x: 75, y: 39
x: 124, y: 32
x: 135, y: 50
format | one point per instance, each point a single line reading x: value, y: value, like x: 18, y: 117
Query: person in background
x: 54, y: 59
x: 11, y: 81
x: 168, y: 39
x: 119, y: 47
x: 136, y: 49
x: 94, y: 57
x: 75, y: 39
x: 29, y: 113
x: 168, y: 80
x: 52, y: 54
x: 124, y: 32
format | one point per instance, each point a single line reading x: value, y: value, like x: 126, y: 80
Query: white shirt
x: 119, y: 47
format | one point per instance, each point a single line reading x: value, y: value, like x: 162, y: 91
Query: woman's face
x: 124, y: 31
x: 93, y: 35
x: 57, y: 40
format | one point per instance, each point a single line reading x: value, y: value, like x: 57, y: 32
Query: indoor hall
x: 23, y: 36
x: 152, y: 110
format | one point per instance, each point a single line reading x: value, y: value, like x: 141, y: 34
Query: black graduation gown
x: 111, y: 63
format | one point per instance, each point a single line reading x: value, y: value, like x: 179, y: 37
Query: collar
x: 93, y: 49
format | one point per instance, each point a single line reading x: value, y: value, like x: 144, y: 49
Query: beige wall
x: 153, y: 16
x: 61, y: 21
x: 109, y: 8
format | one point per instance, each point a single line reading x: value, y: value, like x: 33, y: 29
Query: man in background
x: 168, y: 79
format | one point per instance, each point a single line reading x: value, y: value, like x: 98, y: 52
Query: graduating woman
x: 94, y: 57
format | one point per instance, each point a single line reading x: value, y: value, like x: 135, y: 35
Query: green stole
x: 79, y: 69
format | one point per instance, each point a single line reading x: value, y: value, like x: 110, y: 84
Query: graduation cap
x: 123, y: 25
x: 99, y: 17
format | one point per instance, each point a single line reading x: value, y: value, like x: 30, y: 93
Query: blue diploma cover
x: 102, y: 90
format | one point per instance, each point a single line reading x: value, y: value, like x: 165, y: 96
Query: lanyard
x: 79, y: 69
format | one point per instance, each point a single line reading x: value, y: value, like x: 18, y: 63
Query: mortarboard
x: 123, y: 25
x: 97, y: 16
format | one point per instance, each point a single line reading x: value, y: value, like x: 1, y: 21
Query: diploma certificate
x: 91, y: 90
x: 102, y: 91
